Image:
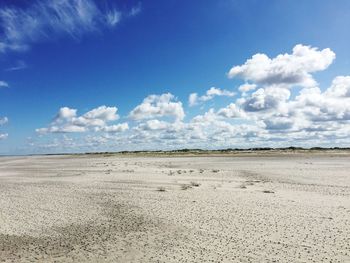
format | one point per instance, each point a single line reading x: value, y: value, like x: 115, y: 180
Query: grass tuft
x: 161, y: 189
x: 195, y: 184
x: 185, y: 186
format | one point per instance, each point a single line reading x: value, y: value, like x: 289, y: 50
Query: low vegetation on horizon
x: 229, y: 150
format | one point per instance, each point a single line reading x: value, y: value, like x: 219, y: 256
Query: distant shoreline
x: 202, y: 152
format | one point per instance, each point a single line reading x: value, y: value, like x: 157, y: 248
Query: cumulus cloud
x: 265, y: 99
x: 113, y: 17
x: 210, y: 94
x: 207, y: 117
x: 158, y: 106
x: 45, y: 19
x: 114, y: 128
x: 246, y: 87
x: 192, y: 99
x: 279, y: 123
x: 67, y: 121
x: 102, y: 113
x: 340, y: 87
x: 285, y: 69
x: 231, y: 111
x: 266, y: 103
x: 65, y: 113
x: 312, y: 113
x: 152, y: 125
x: 331, y: 105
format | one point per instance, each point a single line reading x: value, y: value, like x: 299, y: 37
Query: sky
x: 104, y: 75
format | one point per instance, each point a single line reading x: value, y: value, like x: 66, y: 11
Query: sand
x: 96, y: 208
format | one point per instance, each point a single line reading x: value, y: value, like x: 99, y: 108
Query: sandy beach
x: 244, y: 208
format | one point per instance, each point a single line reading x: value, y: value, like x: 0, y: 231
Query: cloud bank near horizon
x: 263, y: 113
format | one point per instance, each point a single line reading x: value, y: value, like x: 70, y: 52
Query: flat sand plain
x: 96, y: 208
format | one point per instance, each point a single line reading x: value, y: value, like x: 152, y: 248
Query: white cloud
x: 192, y: 99
x: 331, y: 105
x: 65, y: 113
x: 265, y: 99
x: 285, y: 69
x: 46, y: 19
x: 158, y: 106
x: 3, y: 120
x: 340, y: 87
x: 3, y: 84
x: 210, y: 94
x: 102, y: 113
x: 246, y: 87
x: 3, y: 136
x: 153, y: 125
x: 207, y: 117
x: 115, y: 128
x: 278, y: 123
x: 231, y: 111
x: 67, y: 121
x: 311, y: 116
x: 67, y: 128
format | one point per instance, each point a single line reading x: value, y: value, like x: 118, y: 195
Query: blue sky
x: 81, y: 55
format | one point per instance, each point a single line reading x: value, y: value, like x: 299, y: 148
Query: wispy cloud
x: 113, y: 17
x: 3, y: 84
x: 3, y: 120
x: 46, y: 19
x: 135, y: 10
x: 20, y: 64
